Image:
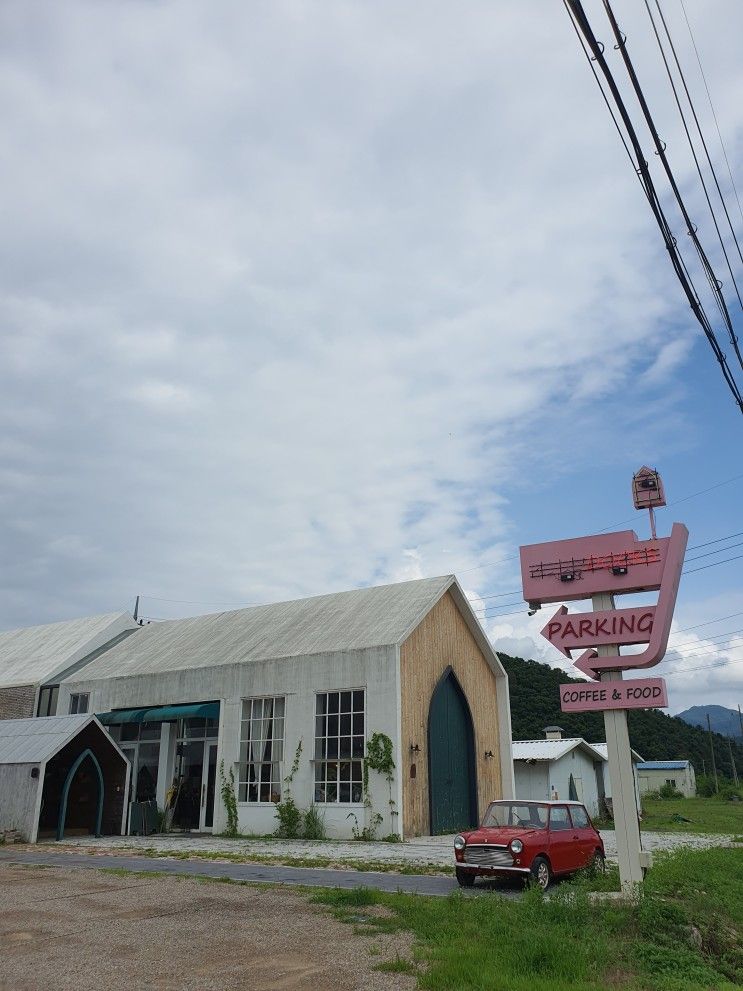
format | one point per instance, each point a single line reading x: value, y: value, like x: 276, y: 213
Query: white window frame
x: 275, y: 785
x: 321, y: 762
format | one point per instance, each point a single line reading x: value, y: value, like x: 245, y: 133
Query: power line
x: 577, y: 14
x: 691, y: 229
x: 713, y: 565
x: 691, y: 143
x: 712, y: 108
x: 720, y: 550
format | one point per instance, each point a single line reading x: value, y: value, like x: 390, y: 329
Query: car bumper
x: 485, y: 869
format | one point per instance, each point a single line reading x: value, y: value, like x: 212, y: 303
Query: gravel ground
x: 423, y: 851
x: 72, y: 930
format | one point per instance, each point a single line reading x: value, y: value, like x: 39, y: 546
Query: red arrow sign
x: 577, y: 631
x: 593, y: 665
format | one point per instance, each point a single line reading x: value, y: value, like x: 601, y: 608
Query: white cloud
x: 298, y: 299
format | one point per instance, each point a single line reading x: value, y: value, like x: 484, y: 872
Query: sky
x: 297, y: 298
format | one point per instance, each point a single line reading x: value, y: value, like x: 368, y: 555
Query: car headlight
x: 459, y: 842
x: 517, y: 846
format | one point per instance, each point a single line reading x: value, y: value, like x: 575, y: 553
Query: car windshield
x: 525, y: 815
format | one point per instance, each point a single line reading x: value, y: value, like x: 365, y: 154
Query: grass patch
x: 685, y: 934
x: 397, y: 966
x: 708, y: 815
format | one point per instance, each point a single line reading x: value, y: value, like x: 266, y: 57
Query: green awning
x: 161, y: 713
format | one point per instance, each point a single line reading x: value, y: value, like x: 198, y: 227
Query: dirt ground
x: 85, y: 930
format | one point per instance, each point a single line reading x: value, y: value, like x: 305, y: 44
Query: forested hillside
x: 535, y: 704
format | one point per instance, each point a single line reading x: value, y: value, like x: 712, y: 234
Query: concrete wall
x: 654, y: 780
x: 18, y: 795
x: 298, y: 679
x: 17, y: 702
x: 607, y: 781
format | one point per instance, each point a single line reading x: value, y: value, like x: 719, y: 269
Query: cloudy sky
x: 298, y: 297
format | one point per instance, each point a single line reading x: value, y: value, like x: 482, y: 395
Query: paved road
x: 260, y: 873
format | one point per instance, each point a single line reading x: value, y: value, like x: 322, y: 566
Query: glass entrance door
x: 208, y: 786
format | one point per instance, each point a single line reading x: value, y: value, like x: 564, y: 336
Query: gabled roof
x: 663, y: 765
x: 32, y: 741
x: 552, y: 749
x: 383, y: 615
x: 604, y: 751
x: 37, y: 654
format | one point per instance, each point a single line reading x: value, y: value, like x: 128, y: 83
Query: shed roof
x: 383, y: 615
x: 603, y: 749
x: 36, y: 654
x: 663, y: 765
x: 31, y: 741
x: 552, y: 749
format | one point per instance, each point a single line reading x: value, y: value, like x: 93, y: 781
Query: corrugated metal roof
x: 31, y: 741
x: 663, y: 765
x: 550, y: 749
x: 343, y: 621
x: 38, y: 653
x: 604, y: 751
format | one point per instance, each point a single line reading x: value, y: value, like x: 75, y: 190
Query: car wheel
x: 465, y: 878
x: 541, y: 875
x: 598, y: 863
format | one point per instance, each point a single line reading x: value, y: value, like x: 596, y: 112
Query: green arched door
x: 451, y: 759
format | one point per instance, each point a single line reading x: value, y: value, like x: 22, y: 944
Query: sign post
x: 601, y: 567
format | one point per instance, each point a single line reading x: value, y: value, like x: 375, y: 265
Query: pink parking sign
x: 637, y: 693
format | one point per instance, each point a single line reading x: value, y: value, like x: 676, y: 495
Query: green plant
x: 288, y: 814
x: 229, y: 799
x: 669, y: 791
x: 313, y: 826
x: 369, y: 832
x: 379, y: 758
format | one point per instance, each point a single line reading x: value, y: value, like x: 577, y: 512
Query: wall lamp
x: 414, y: 748
x: 488, y: 754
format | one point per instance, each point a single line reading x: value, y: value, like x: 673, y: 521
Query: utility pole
x: 732, y: 761
x: 712, y: 751
x: 740, y: 719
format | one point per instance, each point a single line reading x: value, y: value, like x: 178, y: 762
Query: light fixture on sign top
x: 648, y: 483
x: 619, y: 570
x: 567, y: 576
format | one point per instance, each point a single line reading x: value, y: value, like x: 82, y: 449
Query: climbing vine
x: 229, y: 799
x: 287, y: 812
x: 379, y: 758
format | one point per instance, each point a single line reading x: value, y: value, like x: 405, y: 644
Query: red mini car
x: 534, y: 840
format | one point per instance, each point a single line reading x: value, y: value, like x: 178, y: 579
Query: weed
x: 397, y: 966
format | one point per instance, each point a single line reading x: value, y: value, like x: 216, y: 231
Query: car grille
x: 488, y: 856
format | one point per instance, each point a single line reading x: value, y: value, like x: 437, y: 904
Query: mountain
x: 722, y: 720
x: 535, y: 704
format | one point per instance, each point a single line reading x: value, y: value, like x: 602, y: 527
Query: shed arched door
x: 451, y: 759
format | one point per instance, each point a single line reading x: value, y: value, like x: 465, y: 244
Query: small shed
x: 61, y: 775
x: 557, y: 768
x: 678, y: 774
x: 636, y: 760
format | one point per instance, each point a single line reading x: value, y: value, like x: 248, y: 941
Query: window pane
x: 130, y: 731
x: 261, y: 749
x: 278, y: 708
x: 345, y: 701
x: 320, y: 725
x: 344, y: 793
x: 333, y: 746
x: 332, y: 726
x: 322, y: 704
x: 268, y: 709
x: 358, y: 724
x: 358, y: 746
x: 345, y: 725
x: 356, y: 792
x: 242, y: 792
x: 332, y: 701
x: 332, y: 792
x: 345, y: 746
x: 358, y: 701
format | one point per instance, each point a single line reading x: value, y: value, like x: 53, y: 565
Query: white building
x: 636, y: 759
x: 315, y: 679
x: 34, y: 660
x: 556, y: 768
x: 679, y: 774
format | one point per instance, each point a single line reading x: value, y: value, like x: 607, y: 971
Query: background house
x: 35, y: 659
x: 251, y: 689
x: 679, y: 774
x: 636, y: 759
x: 559, y: 768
